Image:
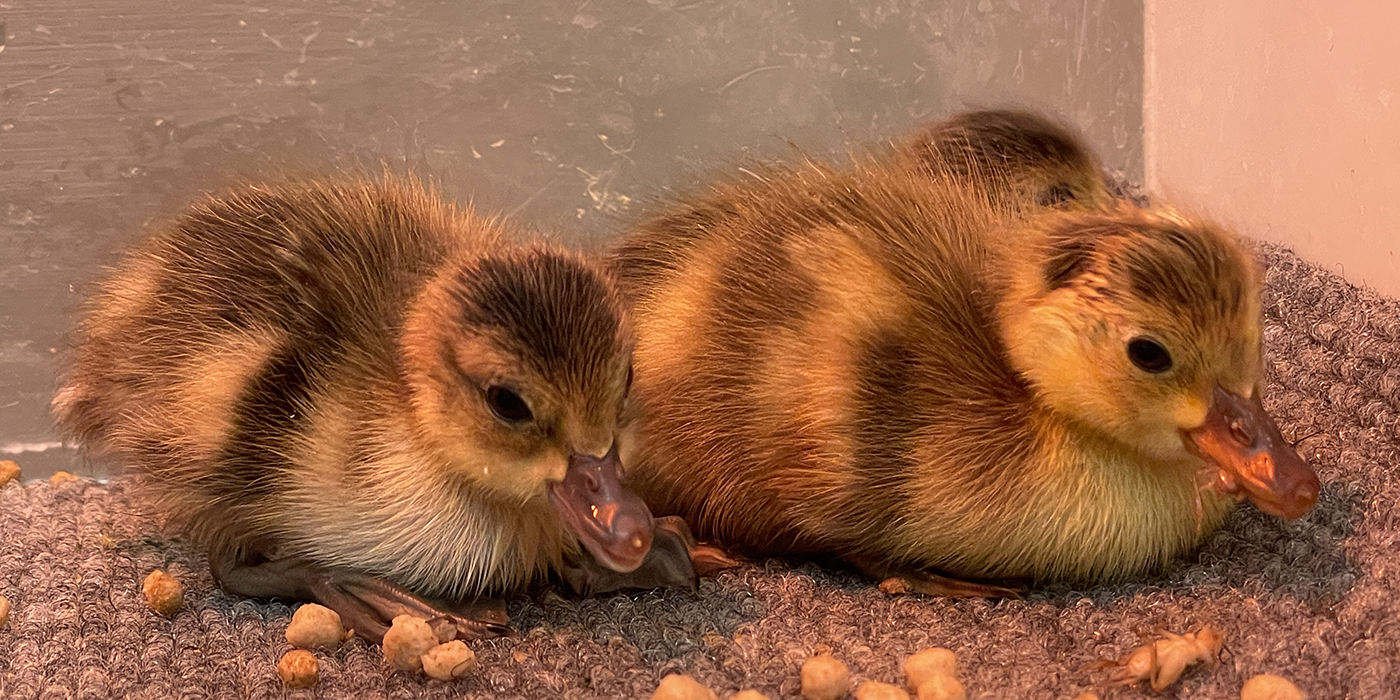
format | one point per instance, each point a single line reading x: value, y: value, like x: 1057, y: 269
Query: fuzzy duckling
x: 354, y: 393
x: 898, y: 367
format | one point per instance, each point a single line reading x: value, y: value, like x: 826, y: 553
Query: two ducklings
x: 967, y: 361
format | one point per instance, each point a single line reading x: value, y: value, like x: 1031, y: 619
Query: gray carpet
x: 1313, y: 600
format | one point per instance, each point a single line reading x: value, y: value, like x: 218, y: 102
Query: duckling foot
x: 707, y: 560
x: 366, y: 604
x: 369, y: 605
x: 895, y: 581
x: 676, y: 560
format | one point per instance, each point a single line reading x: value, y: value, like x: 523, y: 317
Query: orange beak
x: 613, y: 523
x: 1254, y: 460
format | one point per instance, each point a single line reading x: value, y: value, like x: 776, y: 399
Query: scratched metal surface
x: 569, y: 115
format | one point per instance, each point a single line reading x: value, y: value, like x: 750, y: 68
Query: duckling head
x: 1145, y: 325
x: 519, y: 365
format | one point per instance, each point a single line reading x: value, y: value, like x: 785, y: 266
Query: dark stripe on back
x: 268, y: 415
x: 291, y: 289
x: 886, y: 426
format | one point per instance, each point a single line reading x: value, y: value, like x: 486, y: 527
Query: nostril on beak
x: 1238, y: 431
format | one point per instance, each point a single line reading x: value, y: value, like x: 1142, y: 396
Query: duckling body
x: 923, y: 371
x: 355, y: 393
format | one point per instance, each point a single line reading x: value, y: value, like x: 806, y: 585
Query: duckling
x: 942, y: 387
x: 354, y: 393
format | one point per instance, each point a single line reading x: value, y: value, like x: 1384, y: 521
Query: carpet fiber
x: 1316, y: 600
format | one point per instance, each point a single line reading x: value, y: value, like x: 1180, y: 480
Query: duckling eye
x: 507, y: 405
x: 1149, y: 355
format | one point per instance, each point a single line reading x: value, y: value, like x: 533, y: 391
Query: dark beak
x: 612, y: 522
x: 1254, y: 460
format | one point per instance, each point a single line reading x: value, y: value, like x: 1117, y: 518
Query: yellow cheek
x: 529, y: 477
x: 627, y: 445
x: 524, y: 478
x: 1189, y: 412
x: 1053, y: 355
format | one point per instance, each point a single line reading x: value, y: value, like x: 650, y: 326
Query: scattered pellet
x: 9, y: 471
x: 1267, y: 686
x: 678, y: 686
x: 941, y: 687
x: 1162, y: 662
x: 928, y: 663
x: 60, y: 478
x: 450, y: 661
x: 4, y: 610
x: 406, y: 641
x: 825, y: 678
x: 299, y: 669
x: 749, y: 695
x: 875, y: 690
x: 315, y: 626
x: 163, y: 593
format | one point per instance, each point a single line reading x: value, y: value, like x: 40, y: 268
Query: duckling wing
x: 200, y: 359
x: 809, y: 345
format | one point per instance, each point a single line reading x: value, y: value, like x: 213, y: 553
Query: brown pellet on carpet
x: 1315, y: 600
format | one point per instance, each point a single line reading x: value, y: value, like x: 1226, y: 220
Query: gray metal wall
x: 113, y: 113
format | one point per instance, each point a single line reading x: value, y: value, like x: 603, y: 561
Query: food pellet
x: 1086, y: 696
x: 449, y: 661
x: 4, y: 610
x: 315, y: 626
x: 163, y: 593
x: 749, y: 695
x: 678, y: 686
x: 60, y: 478
x: 9, y: 471
x: 874, y: 690
x: 406, y: 641
x: 1267, y: 686
x: 941, y: 687
x: 928, y: 663
x: 824, y: 678
x: 299, y: 669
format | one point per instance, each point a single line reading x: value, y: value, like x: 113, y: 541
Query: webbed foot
x: 676, y: 560
x: 366, y: 604
x: 894, y: 580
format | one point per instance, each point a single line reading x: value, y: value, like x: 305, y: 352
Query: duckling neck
x: 381, y: 499
x: 1100, y: 509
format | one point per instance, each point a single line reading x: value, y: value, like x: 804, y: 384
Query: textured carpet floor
x: 1316, y: 600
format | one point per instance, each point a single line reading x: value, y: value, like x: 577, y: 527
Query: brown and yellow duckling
x: 355, y: 393
x: 898, y: 367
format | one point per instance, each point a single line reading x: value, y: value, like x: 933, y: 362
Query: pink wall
x: 1279, y: 117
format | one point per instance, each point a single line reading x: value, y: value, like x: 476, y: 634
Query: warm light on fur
x: 925, y: 366
x: 302, y: 368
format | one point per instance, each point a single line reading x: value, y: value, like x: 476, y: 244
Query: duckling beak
x: 1254, y: 460
x: 612, y: 522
